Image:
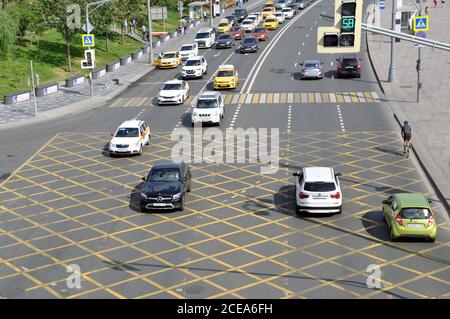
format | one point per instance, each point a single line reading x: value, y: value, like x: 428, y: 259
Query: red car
x: 238, y: 33
x: 261, y: 34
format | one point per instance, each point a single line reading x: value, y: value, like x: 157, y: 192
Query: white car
x: 279, y: 16
x: 129, y: 138
x: 248, y: 25
x: 255, y: 19
x: 317, y: 189
x: 173, y: 92
x: 194, y: 67
x: 209, y: 109
x: 188, y: 50
x: 288, y: 13
x: 259, y: 15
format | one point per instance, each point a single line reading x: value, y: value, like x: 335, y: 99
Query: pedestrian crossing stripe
x: 265, y: 98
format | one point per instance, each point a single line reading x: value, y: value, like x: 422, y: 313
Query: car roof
x: 320, y: 174
x: 166, y: 164
x: 175, y: 81
x: 311, y: 61
x: 205, y: 30
x: 192, y: 44
x: 131, y: 123
x: 169, y: 52
x: 412, y: 200
x: 226, y: 67
x: 194, y: 58
x: 209, y: 95
x: 348, y: 57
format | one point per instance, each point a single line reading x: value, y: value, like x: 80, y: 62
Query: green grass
x: 50, y: 59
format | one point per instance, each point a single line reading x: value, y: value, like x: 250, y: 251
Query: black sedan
x: 165, y: 186
x: 224, y: 41
x: 250, y: 44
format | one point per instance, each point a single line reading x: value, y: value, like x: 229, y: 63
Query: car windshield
x: 207, y: 104
x: 286, y: 9
x: 278, y: 14
x: 169, y: 55
x: 311, y: 65
x: 202, y: 35
x: 260, y: 30
x: 172, y: 86
x: 270, y: 20
x: 164, y: 175
x: 269, y: 9
x: 239, y: 12
x: 319, y: 187
x: 193, y: 62
x: 250, y: 40
x: 187, y: 47
x: 350, y: 61
x: 247, y: 22
x: 225, y: 73
x: 225, y: 37
x: 223, y: 24
x: 415, y: 213
x: 127, y: 132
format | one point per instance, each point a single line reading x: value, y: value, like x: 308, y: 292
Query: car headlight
x: 194, y: 114
x: 177, y: 196
x: 143, y: 195
x: 112, y: 145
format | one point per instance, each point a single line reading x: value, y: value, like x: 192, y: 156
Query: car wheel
x: 141, y: 150
x: 181, y: 208
x: 340, y: 210
x: 111, y: 154
x: 391, y: 235
x: 143, y: 209
x: 192, y: 124
x: 206, y: 70
x: 148, y: 140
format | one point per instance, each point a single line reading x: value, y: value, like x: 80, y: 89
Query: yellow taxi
x: 268, y: 11
x: 271, y: 23
x: 169, y: 59
x: 224, y: 26
x: 227, y: 77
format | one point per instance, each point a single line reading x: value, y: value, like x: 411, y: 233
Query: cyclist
x: 406, y: 134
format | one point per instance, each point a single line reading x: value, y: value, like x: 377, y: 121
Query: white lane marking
x: 307, y: 35
x: 295, y: 64
x: 289, y: 118
x: 299, y: 52
x: 315, y: 22
x: 217, y: 54
x: 235, y: 115
x: 341, y: 120
x: 331, y: 63
x: 260, y: 61
x: 303, y: 43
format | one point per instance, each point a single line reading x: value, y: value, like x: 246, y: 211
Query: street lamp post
x: 391, y: 76
x: 211, y: 22
x: 418, y: 58
x: 150, y: 42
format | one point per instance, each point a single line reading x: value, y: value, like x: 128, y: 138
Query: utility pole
x: 391, y: 76
x: 418, y: 59
x: 150, y: 42
x: 211, y: 22
x: 34, y: 89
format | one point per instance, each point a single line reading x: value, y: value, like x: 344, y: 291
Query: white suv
x: 188, y: 50
x: 205, y: 38
x: 209, y: 108
x: 129, y: 138
x: 194, y: 67
x: 317, y: 189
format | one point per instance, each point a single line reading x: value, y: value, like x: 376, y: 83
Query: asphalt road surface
x: 65, y: 203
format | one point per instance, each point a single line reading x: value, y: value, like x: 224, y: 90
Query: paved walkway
x: 23, y: 113
x: 430, y: 117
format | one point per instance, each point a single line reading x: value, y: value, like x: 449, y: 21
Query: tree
x: 123, y: 9
x: 55, y: 10
x: 22, y: 12
x: 8, y: 33
x: 102, y: 19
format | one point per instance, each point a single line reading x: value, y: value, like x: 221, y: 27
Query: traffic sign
x: 381, y: 5
x: 421, y: 34
x: 87, y: 29
x: 421, y: 23
x: 88, y: 40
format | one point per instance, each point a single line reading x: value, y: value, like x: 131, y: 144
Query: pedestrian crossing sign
x: 421, y: 23
x: 88, y: 40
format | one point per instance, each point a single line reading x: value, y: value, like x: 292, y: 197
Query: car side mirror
x: 337, y: 60
x: 295, y: 174
x: 430, y: 201
x: 338, y: 174
x: 385, y: 202
x: 143, y: 178
x: 300, y: 63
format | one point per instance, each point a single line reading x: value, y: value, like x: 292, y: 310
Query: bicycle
x: 406, y: 148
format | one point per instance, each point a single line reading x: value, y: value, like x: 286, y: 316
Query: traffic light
x: 89, y: 59
x: 345, y: 35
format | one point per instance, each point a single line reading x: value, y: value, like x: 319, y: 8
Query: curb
x: 425, y: 162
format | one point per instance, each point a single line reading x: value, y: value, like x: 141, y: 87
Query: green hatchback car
x: 409, y: 215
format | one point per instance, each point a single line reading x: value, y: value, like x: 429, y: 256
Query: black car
x: 232, y: 19
x: 224, y: 41
x: 250, y: 44
x: 348, y: 65
x: 240, y: 14
x: 165, y: 186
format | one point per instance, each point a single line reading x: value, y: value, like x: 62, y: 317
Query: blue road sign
x: 421, y: 34
x: 88, y: 40
x: 381, y: 5
x: 420, y: 23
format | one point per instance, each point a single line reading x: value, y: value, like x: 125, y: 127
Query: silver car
x: 311, y: 69
x: 280, y: 4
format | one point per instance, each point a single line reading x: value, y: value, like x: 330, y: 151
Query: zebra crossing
x: 266, y: 98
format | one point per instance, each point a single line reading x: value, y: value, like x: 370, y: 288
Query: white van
x: 205, y: 38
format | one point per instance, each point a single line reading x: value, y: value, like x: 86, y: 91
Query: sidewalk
x: 431, y: 117
x: 70, y: 100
